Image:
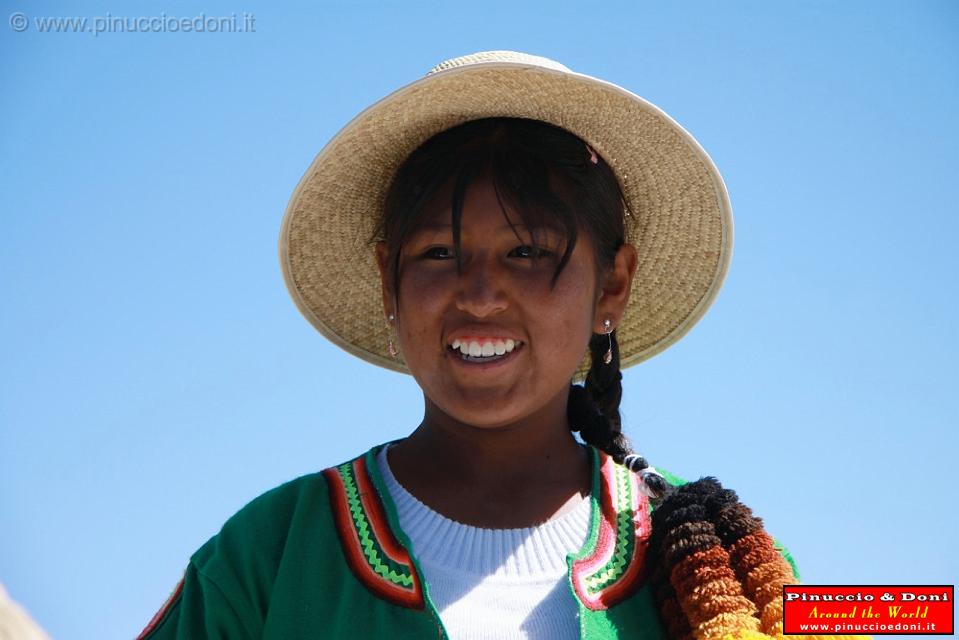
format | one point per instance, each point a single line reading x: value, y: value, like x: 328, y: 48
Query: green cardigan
x: 323, y: 556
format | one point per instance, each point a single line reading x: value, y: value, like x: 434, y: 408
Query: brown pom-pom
x: 688, y: 538
x: 753, y: 550
x: 735, y: 521
x: 699, y: 568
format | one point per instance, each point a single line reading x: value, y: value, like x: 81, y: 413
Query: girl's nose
x: 481, y: 292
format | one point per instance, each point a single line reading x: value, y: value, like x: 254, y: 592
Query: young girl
x: 530, y: 227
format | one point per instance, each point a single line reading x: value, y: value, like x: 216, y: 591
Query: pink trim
x: 606, y: 542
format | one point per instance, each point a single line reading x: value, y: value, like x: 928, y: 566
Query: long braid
x: 593, y: 411
x: 604, y: 382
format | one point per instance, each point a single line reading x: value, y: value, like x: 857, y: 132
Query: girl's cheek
x: 575, y: 282
x: 426, y: 287
x: 540, y: 281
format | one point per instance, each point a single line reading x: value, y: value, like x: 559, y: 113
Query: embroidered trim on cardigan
x: 373, y: 553
x: 612, y: 571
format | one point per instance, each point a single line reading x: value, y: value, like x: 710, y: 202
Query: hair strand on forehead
x: 540, y: 171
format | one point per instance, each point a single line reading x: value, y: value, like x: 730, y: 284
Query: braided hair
x: 548, y: 176
x: 593, y: 411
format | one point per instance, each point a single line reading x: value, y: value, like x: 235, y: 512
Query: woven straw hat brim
x: 681, y: 223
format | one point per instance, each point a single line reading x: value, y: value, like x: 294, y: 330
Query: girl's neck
x: 511, y: 476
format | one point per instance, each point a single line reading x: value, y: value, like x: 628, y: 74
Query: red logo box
x: 868, y: 609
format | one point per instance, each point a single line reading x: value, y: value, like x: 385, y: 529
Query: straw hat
x: 681, y: 222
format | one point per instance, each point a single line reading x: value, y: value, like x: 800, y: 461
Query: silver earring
x: 607, y: 326
x: 389, y: 344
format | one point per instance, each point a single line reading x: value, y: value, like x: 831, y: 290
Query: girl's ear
x: 386, y: 287
x: 615, y: 288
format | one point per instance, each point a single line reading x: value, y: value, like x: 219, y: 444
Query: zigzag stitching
x: 617, y: 564
x: 363, y: 530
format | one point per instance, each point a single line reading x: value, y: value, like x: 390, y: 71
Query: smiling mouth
x: 488, y: 352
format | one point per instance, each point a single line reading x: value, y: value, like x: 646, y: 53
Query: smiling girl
x: 503, y: 230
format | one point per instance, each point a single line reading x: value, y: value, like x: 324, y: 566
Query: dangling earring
x: 608, y: 356
x: 389, y: 344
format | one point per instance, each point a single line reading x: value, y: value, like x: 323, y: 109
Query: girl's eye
x: 529, y: 251
x: 438, y: 253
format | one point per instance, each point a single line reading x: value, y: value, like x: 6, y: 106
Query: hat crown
x: 486, y: 57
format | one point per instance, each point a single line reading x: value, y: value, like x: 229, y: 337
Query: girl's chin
x: 481, y: 408
x: 496, y: 409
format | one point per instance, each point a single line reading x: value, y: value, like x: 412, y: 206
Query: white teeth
x: 488, y: 349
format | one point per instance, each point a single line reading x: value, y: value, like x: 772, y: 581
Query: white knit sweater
x: 494, y: 583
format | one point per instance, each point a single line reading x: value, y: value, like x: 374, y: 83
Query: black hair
x: 550, y: 178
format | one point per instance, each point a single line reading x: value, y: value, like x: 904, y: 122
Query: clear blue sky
x: 156, y: 376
